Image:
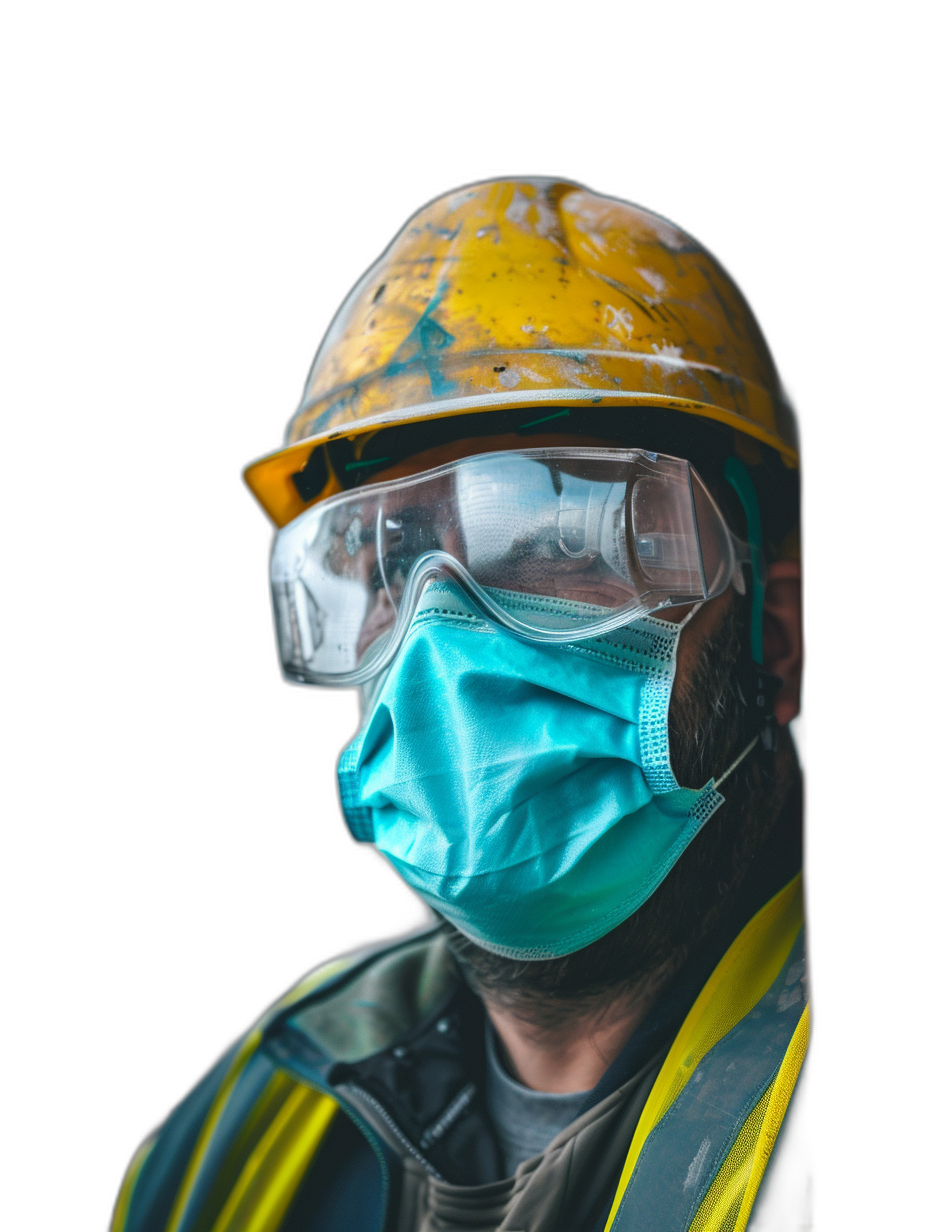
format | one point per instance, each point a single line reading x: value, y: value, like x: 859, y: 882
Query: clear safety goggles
x: 607, y: 534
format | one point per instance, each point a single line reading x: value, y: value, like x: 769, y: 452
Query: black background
x: 213, y: 869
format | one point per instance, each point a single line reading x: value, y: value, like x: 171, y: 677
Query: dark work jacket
x: 303, y: 1125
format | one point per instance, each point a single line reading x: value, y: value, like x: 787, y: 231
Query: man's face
x: 708, y: 728
x: 698, y: 632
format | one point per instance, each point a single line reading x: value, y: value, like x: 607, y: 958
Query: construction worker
x: 539, y: 504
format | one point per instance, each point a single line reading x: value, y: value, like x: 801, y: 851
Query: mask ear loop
x: 681, y: 624
x: 758, y: 687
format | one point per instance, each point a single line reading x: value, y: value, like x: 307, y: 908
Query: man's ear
x: 783, y: 634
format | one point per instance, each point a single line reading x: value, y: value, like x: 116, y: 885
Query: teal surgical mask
x: 523, y: 789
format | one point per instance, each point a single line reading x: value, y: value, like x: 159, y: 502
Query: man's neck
x: 574, y: 1054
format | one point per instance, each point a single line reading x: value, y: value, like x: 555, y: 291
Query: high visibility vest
x: 247, y: 1152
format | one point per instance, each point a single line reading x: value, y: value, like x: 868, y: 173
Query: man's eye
x: 407, y: 534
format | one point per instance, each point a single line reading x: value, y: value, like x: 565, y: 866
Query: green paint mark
x: 545, y: 418
x: 422, y: 345
x: 353, y: 466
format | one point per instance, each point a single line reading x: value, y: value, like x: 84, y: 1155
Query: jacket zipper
x: 365, y: 1097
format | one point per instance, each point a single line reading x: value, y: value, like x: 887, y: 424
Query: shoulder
x: 250, y: 1119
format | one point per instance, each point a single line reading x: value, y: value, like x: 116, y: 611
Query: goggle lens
x: 611, y: 534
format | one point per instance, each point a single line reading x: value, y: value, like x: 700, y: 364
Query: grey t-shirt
x: 564, y: 1188
x: 525, y: 1121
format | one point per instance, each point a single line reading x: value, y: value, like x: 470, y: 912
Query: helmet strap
x: 757, y: 686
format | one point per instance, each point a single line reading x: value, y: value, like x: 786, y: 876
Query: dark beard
x: 709, y: 727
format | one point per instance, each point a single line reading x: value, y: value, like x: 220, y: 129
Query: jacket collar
x: 399, y: 1038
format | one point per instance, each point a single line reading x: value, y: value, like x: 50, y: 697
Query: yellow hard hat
x: 527, y: 293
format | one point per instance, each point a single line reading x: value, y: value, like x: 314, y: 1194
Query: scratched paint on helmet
x: 529, y: 292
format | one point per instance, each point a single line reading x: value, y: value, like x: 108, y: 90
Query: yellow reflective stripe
x: 121, y: 1209
x: 265, y: 1108
x: 263, y: 1111
x: 720, y: 1206
x: 747, y: 970
x: 783, y: 1086
x: 269, y: 1179
x: 242, y: 1057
